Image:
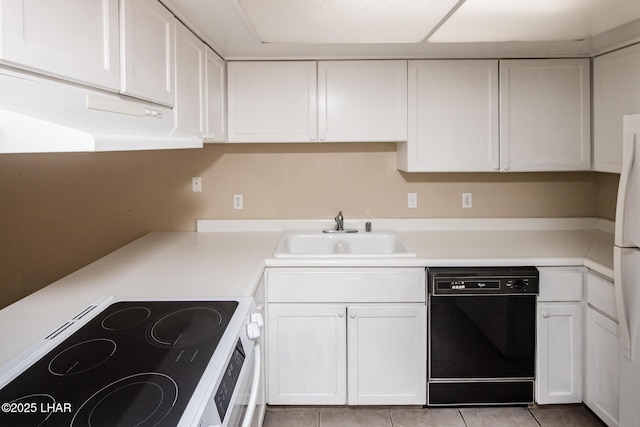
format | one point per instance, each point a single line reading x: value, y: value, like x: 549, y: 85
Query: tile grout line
x: 534, y: 417
x: 462, y: 417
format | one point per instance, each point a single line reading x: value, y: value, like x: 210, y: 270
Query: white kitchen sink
x: 341, y: 245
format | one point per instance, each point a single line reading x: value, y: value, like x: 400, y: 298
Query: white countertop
x: 202, y: 265
x: 230, y: 264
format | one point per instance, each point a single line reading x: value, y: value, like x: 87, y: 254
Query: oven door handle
x: 255, y: 386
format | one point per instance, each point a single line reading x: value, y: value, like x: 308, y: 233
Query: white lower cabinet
x: 602, y: 351
x: 385, y: 349
x: 559, y: 365
x: 353, y: 336
x: 355, y: 354
x: 602, y: 378
x: 559, y: 335
x: 307, y: 349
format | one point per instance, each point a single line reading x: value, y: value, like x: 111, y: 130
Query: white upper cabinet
x: 616, y: 79
x: 362, y: 100
x: 200, y: 82
x: 453, y: 117
x: 190, y: 83
x: 327, y: 101
x: 215, y: 107
x: 272, y: 101
x: 147, y: 54
x: 72, y: 39
x: 545, y: 115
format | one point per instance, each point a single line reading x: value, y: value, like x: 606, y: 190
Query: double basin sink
x: 341, y: 245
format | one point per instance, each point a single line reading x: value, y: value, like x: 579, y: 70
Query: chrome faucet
x: 340, y: 226
x: 339, y: 222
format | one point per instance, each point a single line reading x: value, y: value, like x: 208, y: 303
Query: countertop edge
x: 237, y: 259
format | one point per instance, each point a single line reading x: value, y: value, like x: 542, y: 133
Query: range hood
x: 44, y: 115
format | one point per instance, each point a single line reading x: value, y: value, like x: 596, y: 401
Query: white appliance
x: 144, y: 362
x: 627, y: 272
x: 39, y: 114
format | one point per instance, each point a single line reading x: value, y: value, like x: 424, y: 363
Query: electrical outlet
x: 238, y: 202
x: 412, y: 200
x: 467, y: 200
x: 196, y: 184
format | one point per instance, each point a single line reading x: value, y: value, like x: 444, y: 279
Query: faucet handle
x: 339, y: 221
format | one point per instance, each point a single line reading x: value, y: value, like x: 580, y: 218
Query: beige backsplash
x: 62, y: 211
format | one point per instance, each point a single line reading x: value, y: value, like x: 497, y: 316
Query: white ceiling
x: 345, y: 21
x: 298, y: 29
x: 535, y: 20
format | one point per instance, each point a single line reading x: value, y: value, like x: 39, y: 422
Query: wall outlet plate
x: 412, y: 200
x: 238, y: 201
x: 196, y: 184
x: 467, y: 200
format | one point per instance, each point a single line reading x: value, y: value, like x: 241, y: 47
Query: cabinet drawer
x: 601, y: 295
x: 561, y: 284
x: 346, y: 285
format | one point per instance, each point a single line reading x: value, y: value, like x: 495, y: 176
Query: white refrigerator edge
x: 627, y: 273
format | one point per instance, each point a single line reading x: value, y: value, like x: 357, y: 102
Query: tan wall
x: 607, y: 194
x: 59, y: 212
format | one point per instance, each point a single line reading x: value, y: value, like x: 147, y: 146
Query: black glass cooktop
x: 134, y: 364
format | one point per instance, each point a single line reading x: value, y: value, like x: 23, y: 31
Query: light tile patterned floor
x: 544, y: 416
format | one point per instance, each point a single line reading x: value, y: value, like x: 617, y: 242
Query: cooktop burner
x: 136, y: 363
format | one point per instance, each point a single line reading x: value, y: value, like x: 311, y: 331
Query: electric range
x: 140, y: 363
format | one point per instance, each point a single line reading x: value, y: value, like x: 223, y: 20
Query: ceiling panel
x: 545, y: 28
x: 539, y: 20
x: 345, y: 21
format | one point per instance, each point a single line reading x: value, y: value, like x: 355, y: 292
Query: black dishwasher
x: 481, y: 335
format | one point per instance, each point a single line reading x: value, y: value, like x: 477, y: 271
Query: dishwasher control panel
x: 483, y: 280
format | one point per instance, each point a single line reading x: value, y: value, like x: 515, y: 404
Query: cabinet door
x: 272, y: 101
x: 215, y: 116
x: 602, y: 364
x: 147, y: 54
x: 362, y: 100
x: 453, y: 117
x: 190, y: 82
x: 545, y: 115
x: 307, y: 354
x: 616, y: 77
x: 76, y: 40
x: 559, y: 361
x: 387, y: 354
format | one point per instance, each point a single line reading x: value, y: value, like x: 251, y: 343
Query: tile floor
x: 547, y: 416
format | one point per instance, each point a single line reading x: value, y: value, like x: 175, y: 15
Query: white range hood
x: 44, y: 115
